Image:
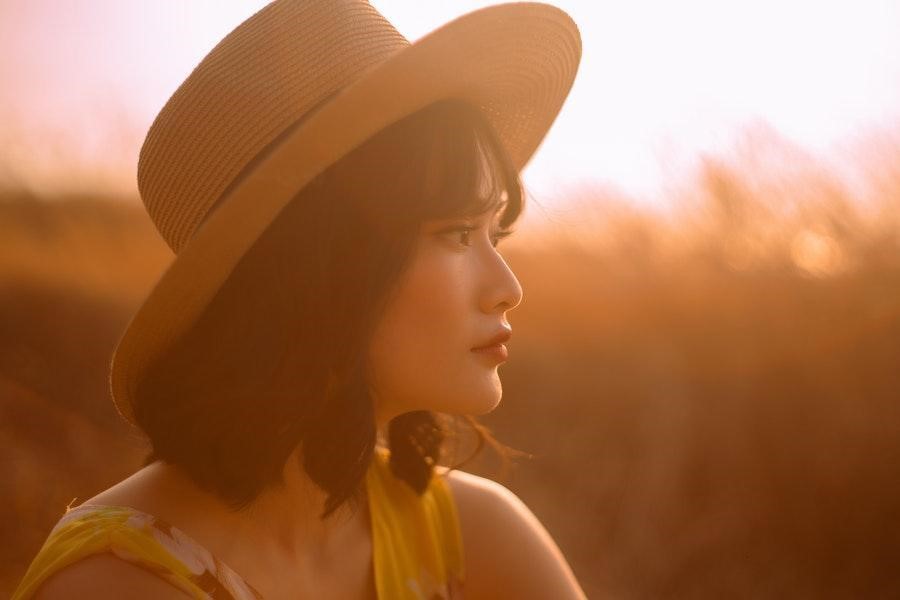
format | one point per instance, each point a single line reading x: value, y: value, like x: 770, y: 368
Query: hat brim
x: 516, y: 62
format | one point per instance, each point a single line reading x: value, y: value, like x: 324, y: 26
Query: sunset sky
x: 80, y: 81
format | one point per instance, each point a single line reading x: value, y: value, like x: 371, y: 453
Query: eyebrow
x: 492, y: 210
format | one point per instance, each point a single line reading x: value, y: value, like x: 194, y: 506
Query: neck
x: 287, y: 518
x: 283, y: 525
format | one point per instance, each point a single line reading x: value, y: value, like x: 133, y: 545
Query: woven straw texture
x: 257, y: 81
x: 289, y: 92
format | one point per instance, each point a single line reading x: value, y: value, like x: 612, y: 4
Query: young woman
x: 335, y: 197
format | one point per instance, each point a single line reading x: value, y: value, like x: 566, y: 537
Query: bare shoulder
x: 508, y: 552
x: 104, y: 576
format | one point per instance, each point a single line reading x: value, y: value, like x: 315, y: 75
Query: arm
x: 106, y: 577
x: 508, y: 553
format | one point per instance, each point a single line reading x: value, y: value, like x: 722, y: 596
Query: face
x: 453, y: 297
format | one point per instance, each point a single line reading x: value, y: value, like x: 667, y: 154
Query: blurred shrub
x: 710, y: 397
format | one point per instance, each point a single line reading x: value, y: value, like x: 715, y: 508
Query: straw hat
x: 289, y: 92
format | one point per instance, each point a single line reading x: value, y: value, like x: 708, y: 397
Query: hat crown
x: 260, y: 79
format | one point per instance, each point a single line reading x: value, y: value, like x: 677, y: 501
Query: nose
x: 501, y: 291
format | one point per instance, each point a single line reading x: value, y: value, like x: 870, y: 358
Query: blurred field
x: 710, y: 397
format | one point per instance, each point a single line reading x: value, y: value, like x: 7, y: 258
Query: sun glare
x: 659, y: 82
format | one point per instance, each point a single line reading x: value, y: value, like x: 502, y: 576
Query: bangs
x: 467, y: 173
x: 443, y: 161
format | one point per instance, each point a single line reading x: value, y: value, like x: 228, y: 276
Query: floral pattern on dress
x: 417, y: 551
x: 427, y: 584
x: 173, y: 555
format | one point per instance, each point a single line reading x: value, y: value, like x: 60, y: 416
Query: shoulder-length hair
x: 278, y: 359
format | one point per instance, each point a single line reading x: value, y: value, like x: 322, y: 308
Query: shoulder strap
x: 416, y: 539
x: 138, y: 538
x: 448, y: 520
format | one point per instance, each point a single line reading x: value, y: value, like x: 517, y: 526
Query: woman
x: 334, y: 196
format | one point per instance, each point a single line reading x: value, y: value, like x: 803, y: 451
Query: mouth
x: 495, y: 353
x: 494, y: 349
x: 498, y: 339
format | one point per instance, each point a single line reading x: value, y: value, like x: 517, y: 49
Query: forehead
x: 492, y: 210
x: 490, y: 214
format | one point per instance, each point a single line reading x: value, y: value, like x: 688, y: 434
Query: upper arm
x: 508, y: 552
x: 104, y: 576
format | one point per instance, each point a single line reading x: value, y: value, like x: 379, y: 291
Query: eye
x: 503, y: 233
x: 463, y: 234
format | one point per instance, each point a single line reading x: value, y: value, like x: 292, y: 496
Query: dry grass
x: 710, y: 397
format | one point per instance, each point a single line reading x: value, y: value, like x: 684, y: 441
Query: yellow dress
x: 416, y: 544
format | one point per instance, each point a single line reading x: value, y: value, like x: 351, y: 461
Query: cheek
x: 418, y: 333
x: 420, y: 352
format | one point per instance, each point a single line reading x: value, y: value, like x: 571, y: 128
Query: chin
x: 471, y: 396
x: 480, y: 401
x: 485, y: 408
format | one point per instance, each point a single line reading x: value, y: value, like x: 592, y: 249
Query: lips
x: 501, y: 337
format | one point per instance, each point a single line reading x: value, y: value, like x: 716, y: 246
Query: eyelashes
x: 500, y: 235
x: 465, y: 231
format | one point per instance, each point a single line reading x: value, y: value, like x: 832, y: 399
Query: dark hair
x: 279, y: 357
